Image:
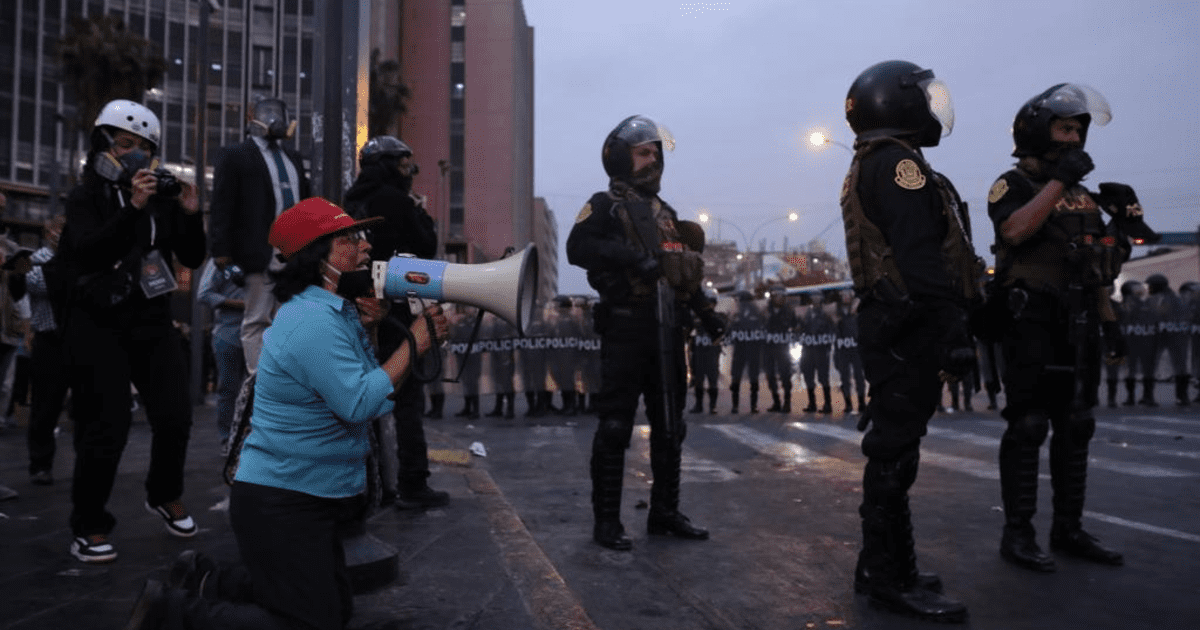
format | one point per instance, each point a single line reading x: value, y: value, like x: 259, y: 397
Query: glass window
x: 262, y: 71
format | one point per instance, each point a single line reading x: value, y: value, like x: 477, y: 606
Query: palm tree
x: 102, y: 61
x: 387, y: 94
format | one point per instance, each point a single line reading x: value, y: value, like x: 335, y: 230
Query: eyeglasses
x: 357, y: 237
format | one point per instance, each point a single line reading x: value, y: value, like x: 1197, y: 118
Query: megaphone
x: 506, y: 287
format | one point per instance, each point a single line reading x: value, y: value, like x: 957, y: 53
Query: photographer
x: 126, y: 221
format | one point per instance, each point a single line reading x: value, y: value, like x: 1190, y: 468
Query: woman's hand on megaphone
x: 430, y: 329
x: 371, y: 311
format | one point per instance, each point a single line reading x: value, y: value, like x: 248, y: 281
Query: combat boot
x: 608, y: 474
x: 498, y: 409
x: 531, y: 402
x: 828, y: 406
x: 570, y: 404
x: 1130, y: 387
x: 665, y: 519
x: 699, y: 406
x: 753, y: 400
x: 734, y: 393
x: 1181, y: 390
x: 1068, y: 477
x: 775, y: 406
x: 1148, y: 392
x: 510, y: 404
x: 812, y: 402
x: 846, y: 397
x: 787, y: 400
x: 712, y: 400
x: 1018, y: 492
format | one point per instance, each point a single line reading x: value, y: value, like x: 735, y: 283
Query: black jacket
x: 408, y: 229
x: 243, y: 204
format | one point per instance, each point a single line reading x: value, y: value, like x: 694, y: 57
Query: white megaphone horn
x: 506, y: 287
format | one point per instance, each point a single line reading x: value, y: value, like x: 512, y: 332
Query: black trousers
x: 777, y: 363
x: 105, y: 356
x: 412, y: 451
x: 291, y: 546
x: 49, y: 387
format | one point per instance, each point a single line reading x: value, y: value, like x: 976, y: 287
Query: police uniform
x: 817, y: 338
x: 777, y: 358
x: 847, y: 360
x: 625, y: 238
x: 746, y: 335
x: 1054, y: 283
x: 1173, y: 331
x: 706, y: 364
x: 1141, y: 332
x: 914, y: 269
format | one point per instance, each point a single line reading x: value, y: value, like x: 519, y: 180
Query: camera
x: 168, y: 184
x: 234, y: 274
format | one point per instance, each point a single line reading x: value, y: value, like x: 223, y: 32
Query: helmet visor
x: 1074, y: 99
x: 640, y: 130
x: 937, y: 94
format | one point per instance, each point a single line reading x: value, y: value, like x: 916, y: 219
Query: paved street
x: 779, y: 493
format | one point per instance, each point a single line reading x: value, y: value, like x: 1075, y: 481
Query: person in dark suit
x: 252, y: 183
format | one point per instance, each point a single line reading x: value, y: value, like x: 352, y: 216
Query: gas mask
x: 271, y: 120
x: 121, y: 170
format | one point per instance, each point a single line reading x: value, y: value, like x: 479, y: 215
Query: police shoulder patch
x: 909, y: 175
x: 999, y: 189
x: 584, y: 213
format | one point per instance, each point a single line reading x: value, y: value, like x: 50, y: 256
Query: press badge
x: 157, y: 278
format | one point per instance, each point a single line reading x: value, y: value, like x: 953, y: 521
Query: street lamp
x: 818, y: 140
x: 743, y: 256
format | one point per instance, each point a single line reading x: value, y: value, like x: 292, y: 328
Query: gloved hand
x: 714, y: 324
x: 1120, y: 201
x: 1115, y: 349
x: 956, y: 348
x: 1071, y: 166
x: 648, y: 269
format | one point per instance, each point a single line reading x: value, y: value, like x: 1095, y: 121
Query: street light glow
x: 792, y: 216
x: 817, y: 139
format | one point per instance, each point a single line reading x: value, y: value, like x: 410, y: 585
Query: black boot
x: 733, y: 394
x: 812, y: 402
x: 1130, y: 386
x: 509, y: 412
x: 1068, y: 476
x: 498, y: 409
x: 1148, y: 392
x: 546, y: 402
x: 754, y: 400
x: 608, y: 473
x: 1018, y: 491
x: 787, y: 400
x: 414, y: 493
x: 846, y: 397
x: 887, y: 564
x: 665, y: 518
x: 466, y: 410
x: 570, y: 407
x: 828, y: 406
x: 699, y: 406
x: 862, y: 400
x: 1112, y: 393
x: 436, y: 402
x: 1181, y: 390
x: 775, y: 405
x: 712, y: 400
x: 473, y: 404
x: 531, y: 402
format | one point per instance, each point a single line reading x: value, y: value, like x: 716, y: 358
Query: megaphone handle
x: 467, y: 352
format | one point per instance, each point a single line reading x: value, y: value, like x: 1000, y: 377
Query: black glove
x: 1114, y: 343
x: 714, y: 324
x: 1121, y: 202
x: 648, y: 269
x: 1071, y: 166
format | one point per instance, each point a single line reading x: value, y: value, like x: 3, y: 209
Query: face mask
x: 122, y: 169
x: 353, y: 284
x: 648, y: 178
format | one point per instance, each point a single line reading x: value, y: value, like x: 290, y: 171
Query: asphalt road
x: 780, y: 495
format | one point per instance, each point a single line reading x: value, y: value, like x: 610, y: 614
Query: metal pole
x: 200, y: 161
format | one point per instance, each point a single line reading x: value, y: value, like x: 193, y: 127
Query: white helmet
x: 129, y: 116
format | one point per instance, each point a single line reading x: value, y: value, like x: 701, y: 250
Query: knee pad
x: 613, y: 434
x: 1030, y: 427
x: 1079, y: 427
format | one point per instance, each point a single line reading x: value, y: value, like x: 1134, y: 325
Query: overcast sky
x: 742, y: 83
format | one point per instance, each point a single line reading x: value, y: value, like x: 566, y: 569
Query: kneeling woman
x: 302, y: 471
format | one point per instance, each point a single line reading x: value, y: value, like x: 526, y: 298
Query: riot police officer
x: 1173, y: 330
x: 817, y: 337
x: 747, y: 334
x: 915, y: 270
x: 706, y: 365
x: 777, y: 358
x: 628, y: 240
x: 845, y: 353
x: 1054, y: 258
x: 1140, y: 331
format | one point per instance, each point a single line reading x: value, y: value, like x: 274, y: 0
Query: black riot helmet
x: 1031, y: 128
x: 1157, y: 283
x: 269, y: 119
x: 899, y: 98
x: 383, y: 148
x: 631, y: 132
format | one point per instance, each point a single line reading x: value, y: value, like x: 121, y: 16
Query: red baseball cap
x: 309, y: 220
